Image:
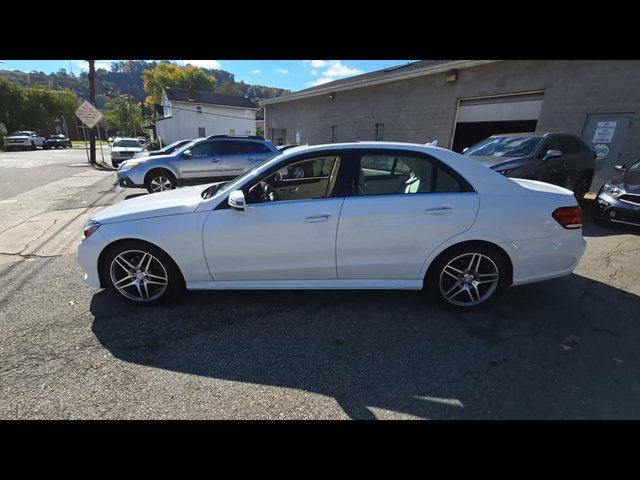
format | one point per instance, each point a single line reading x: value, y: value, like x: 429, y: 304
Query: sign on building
x: 604, y: 132
x: 88, y: 114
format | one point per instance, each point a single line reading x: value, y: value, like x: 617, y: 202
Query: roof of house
x: 210, y: 98
x: 422, y: 67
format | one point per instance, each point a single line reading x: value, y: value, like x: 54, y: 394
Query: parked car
x: 282, y: 148
x: 165, y: 150
x: 57, y: 141
x: 26, y: 140
x: 383, y: 216
x: 124, y: 149
x: 558, y: 158
x: 142, y: 140
x: 214, y: 158
x: 619, y: 199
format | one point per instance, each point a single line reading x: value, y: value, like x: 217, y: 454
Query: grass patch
x: 98, y: 143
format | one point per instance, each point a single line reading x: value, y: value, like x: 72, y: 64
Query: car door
x: 570, y: 149
x: 236, y: 156
x: 202, y: 163
x: 552, y: 170
x: 402, y: 207
x: 291, y: 238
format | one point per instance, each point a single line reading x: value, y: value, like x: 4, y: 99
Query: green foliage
x: 229, y: 88
x: 172, y: 75
x: 34, y: 108
x: 117, y: 114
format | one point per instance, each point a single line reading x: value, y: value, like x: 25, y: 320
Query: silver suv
x: 207, y: 160
x: 124, y: 149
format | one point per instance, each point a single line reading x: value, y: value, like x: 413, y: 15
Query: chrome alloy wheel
x: 298, y: 172
x: 160, y: 184
x: 469, y: 279
x: 139, y: 276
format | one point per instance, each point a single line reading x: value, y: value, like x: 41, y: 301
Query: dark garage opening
x: 470, y: 133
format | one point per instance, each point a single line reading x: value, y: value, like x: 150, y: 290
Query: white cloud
x: 85, y: 65
x: 203, y: 63
x: 313, y: 72
x: 281, y: 70
x: 256, y: 71
x: 319, y: 81
x: 336, y: 69
x: 318, y: 63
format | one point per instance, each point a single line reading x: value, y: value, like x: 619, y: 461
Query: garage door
x: 479, y: 118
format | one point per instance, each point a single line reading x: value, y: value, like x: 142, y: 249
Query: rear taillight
x: 568, y: 217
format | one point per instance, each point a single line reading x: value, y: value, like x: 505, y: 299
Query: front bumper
x: 615, y: 210
x: 88, y: 254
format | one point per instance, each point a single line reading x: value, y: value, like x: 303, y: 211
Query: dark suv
x: 558, y: 158
x: 206, y: 160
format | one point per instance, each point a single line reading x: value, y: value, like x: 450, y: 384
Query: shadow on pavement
x: 518, y: 358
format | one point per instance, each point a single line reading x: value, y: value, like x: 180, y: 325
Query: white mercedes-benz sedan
x: 341, y: 216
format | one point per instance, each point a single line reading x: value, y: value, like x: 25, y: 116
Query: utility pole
x: 92, y: 100
x: 133, y: 121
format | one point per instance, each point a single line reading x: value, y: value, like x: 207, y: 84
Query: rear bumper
x: 545, y: 258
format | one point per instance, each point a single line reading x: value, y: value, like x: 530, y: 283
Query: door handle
x: 250, y: 158
x: 214, y: 160
x: 317, y: 218
x: 438, y: 210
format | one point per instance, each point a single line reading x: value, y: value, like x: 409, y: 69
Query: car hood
x: 18, y: 138
x: 173, y: 202
x: 495, y: 161
x: 127, y: 149
x: 629, y: 182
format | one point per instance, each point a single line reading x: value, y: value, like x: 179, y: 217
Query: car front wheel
x: 141, y: 273
x: 467, y: 276
x: 160, y: 182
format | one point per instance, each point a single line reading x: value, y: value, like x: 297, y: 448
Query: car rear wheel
x: 141, y: 273
x: 467, y: 276
x: 582, y: 186
x: 160, y: 182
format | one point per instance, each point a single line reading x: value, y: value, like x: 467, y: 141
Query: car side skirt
x: 184, y: 182
x: 365, y: 284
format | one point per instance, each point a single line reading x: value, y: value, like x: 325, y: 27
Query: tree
x: 117, y: 114
x: 172, y: 75
x: 229, y: 88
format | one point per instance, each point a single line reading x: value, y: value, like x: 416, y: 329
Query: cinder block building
x: 460, y: 102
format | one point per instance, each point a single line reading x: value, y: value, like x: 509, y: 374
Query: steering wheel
x: 269, y: 193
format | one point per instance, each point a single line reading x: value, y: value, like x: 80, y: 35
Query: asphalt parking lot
x: 563, y: 349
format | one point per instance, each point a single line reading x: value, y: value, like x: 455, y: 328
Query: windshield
x: 256, y: 170
x: 175, y: 146
x: 21, y: 134
x: 127, y: 144
x: 505, y: 147
x: 184, y: 147
x: 57, y: 136
x: 635, y: 168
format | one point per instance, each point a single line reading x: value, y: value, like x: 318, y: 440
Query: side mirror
x: 620, y: 168
x: 552, y: 154
x: 465, y: 149
x: 187, y: 154
x: 236, y: 200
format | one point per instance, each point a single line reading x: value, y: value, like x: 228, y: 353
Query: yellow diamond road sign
x: 88, y: 114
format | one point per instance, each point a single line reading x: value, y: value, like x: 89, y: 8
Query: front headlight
x: 612, y: 190
x: 89, y: 229
x: 127, y: 166
x: 507, y: 171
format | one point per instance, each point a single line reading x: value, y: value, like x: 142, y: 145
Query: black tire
x: 175, y: 284
x: 33, y: 146
x: 45, y: 147
x: 582, y: 185
x: 458, y: 257
x: 8, y: 149
x: 160, y: 177
x: 115, y: 164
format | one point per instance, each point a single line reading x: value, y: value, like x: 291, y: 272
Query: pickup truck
x: 24, y: 140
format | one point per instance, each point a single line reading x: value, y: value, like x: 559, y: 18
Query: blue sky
x: 290, y: 74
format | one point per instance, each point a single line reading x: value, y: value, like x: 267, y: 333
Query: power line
x: 201, y: 113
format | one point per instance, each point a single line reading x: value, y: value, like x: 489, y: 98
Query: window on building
x: 379, y: 131
x: 232, y: 131
x: 398, y: 175
x: 201, y: 132
x: 247, y: 132
x: 199, y: 108
x: 334, y: 133
x: 298, y: 134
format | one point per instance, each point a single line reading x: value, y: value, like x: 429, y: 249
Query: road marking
x: 8, y: 201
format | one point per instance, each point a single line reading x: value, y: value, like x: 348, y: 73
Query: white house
x: 186, y: 113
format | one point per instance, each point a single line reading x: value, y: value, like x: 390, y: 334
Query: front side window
x: 509, y: 147
x: 308, y: 179
x: 405, y: 174
x: 201, y: 150
x: 552, y: 143
x: 568, y: 145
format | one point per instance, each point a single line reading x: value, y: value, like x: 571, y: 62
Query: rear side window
x: 243, y: 148
x: 406, y: 174
x: 568, y: 145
